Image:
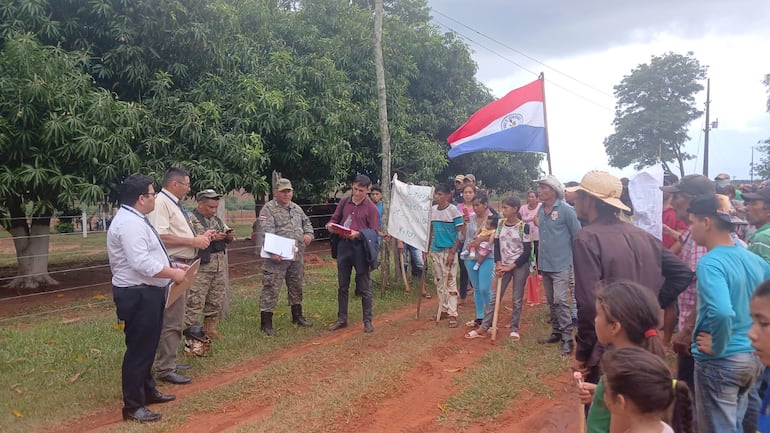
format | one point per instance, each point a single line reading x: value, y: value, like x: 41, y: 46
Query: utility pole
x: 708, y: 127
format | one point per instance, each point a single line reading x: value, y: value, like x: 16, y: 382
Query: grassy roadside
x: 62, y: 366
x: 57, y: 368
x: 506, y: 375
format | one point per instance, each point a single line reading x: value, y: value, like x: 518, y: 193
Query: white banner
x: 409, y: 216
x: 645, y: 193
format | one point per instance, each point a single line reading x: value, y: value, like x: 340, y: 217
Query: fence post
x: 83, y: 221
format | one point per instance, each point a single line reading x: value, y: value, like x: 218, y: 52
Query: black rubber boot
x: 296, y: 316
x: 267, y: 323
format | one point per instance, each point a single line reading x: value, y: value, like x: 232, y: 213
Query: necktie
x: 155, y: 232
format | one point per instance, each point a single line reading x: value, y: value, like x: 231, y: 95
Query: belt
x: 183, y: 260
x: 141, y: 286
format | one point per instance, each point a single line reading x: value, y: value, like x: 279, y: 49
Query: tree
x: 382, y: 113
x: 655, y: 105
x: 62, y: 140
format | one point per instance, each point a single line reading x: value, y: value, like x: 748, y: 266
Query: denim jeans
x: 722, y: 389
x: 519, y: 277
x: 416, y: 260
x: 556, y: 285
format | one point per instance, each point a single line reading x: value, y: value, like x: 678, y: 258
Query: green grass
x: 65, y: 364
x: 496, y: 382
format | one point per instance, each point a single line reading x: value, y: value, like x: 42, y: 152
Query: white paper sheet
x: 279, y: 245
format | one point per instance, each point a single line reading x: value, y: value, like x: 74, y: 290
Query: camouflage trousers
x: 273, y: 275
x: 205, y: 297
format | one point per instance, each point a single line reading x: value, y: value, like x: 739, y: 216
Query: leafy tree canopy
x: 655, y: 105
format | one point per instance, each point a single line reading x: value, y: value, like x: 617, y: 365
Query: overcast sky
x: 585, y: 48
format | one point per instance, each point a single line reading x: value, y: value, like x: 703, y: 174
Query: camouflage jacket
x: 213, y: 255
x: 287, y: 221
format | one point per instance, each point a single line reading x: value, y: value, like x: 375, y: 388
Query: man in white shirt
x: 141, y: 272
x: 173, y: 225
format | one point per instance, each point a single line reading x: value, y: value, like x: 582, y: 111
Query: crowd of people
x: 636, y: 298
x: 619, y: 298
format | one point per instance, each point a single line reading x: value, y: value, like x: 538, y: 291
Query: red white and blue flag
x: 513, y: 123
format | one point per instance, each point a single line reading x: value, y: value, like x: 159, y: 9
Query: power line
x: 602, y: 106
x: 524, y: 54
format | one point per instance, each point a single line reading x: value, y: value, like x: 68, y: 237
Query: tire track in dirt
x: 103, y: 419
x: 415, y: 405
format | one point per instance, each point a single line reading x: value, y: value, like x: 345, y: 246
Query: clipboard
x: 279, y: 245
x: 176, y: 290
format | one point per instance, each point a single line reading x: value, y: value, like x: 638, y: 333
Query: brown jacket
x: 608, y: 250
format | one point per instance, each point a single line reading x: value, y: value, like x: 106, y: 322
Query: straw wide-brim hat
x: 603, y: 186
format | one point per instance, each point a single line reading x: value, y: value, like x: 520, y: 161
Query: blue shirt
x: 556, y: 228
x: 727, y: 277
x: 763, y: 426
x: 445, y: 222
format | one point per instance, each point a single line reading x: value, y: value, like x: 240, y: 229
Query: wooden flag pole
x: 545, y: 124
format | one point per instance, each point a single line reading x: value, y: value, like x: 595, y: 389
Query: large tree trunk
x: 31, y: 244
x: 382, y: 105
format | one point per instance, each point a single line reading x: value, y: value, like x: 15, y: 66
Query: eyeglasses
x: 151, y: 194
x: 182, y: 183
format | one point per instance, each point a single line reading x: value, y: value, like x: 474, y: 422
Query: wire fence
x: 256, y: 261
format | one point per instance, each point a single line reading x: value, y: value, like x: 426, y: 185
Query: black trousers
x: 141, y: 308
x: 351, y: 255
x: 464, y: 280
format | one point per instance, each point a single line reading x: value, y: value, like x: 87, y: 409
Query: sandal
x: 515, y: 336
x: 426, y: 295
x: 453, y: 322
x: 471, y: 324
x: 475, y: 334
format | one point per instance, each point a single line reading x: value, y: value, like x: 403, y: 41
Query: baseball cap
x: 603, y: 186
x: 283, y: 184
x: 207, y: 193
x: 470, y: 177
x: 717, y: 205
x: 552, y: 182
x: 693, y: 184
x: 459, y: 178
x: 763, y: 194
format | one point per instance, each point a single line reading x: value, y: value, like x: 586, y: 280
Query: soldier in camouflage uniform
x: 285, y: 218
x: 207, y: 293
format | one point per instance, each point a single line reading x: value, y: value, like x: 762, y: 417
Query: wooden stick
x: 497, y: 306
x: 407, y: 289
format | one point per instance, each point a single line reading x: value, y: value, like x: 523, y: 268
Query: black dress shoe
x: 142, y: 415
x: 368, y: 328
x: 338, y: 325
x: 566, y: 347
x: 553, y: 338
x: 175, y: 378
x: 158, y: 397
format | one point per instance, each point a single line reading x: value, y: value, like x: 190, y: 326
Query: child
x: 626, y: 316
x: 447, y: 224
x: 639, y: 387
x: 486, y: 234
x: 759, y: 334
x: 512, y: 251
